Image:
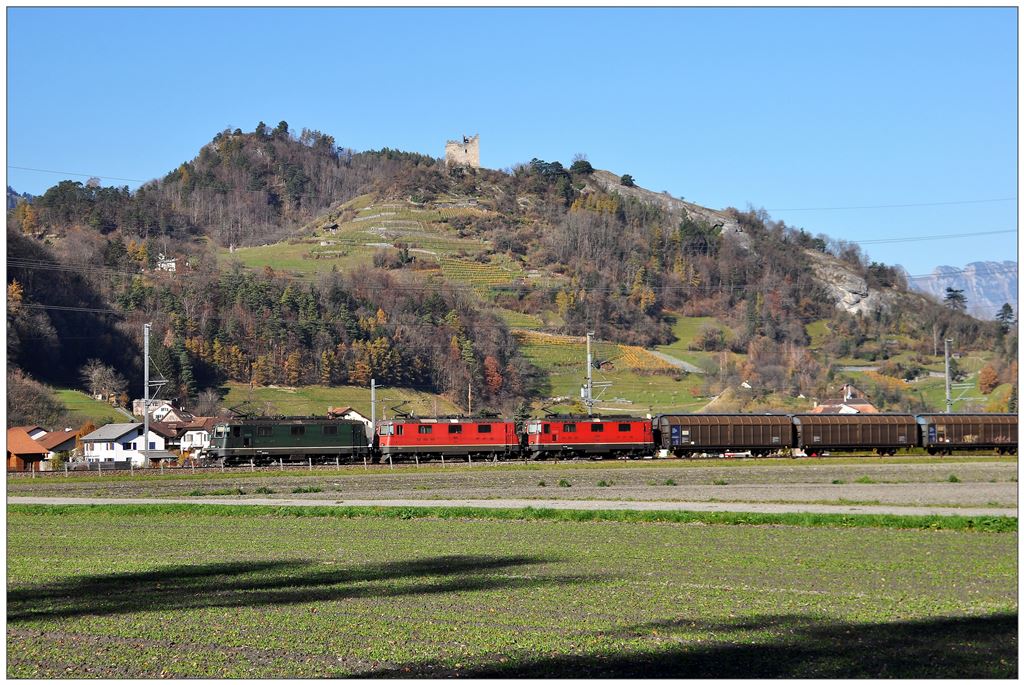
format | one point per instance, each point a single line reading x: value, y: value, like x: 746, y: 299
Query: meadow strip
x: 992, y: 524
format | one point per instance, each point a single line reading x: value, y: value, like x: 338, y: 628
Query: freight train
x: 320, y: 440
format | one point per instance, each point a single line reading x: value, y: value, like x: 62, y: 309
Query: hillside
x: 301, y: 263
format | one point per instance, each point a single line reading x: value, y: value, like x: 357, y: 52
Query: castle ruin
x: 463, y: 153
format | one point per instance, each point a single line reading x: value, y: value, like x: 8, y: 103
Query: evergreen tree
x: 955, y: 299
x: 1005, y: 317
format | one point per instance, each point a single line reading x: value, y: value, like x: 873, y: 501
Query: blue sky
x: 785, y: 109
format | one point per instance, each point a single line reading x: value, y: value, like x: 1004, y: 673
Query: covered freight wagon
x: 943, y: 433
x: 886, y: 433
x: 687, y: 434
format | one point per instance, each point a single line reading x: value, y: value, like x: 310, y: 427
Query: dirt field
x: 952, y: 483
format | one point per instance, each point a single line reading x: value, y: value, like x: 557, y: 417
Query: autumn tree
x: 988, y: 379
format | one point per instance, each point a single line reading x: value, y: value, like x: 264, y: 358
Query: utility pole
x: 949, y: 401
x: 589, y: 399
x: 373, y: 401
x: 470, y: 399
x: 145, y: 393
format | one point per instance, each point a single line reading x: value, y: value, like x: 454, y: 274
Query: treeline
x: 344, y: 329
x: 241, y: 189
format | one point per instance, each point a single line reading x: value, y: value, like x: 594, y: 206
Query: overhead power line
x: 72, y: 173
x: 914, y: 239
x: 893, y: 206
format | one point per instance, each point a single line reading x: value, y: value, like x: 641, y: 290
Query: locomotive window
x: 569, y: 428
x: 483, y: 428
x: 385, y: 430
x: 426, y: 429
x: 547, y: 427
x: 330, y: 430
x: 596, y: 428
x: 533, y: 428
x: 298, y: 430
x: 398, y: 429
x: 264, y: 431
x: 454, y: 429
x: 623, y: 427
x: 236, y: 431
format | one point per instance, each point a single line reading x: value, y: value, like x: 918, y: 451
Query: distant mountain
x: 986, y: 285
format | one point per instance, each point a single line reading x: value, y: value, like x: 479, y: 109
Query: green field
x: 265, y: 594
x: 83, y: 408
x: 565, y: 365
x: 315, y: 399
x: 687, y: 329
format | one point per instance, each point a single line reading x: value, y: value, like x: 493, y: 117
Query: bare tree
x: 102, y: 380
x: 207, y: 403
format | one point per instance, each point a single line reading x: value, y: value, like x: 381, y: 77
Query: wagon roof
x: 724, y: 419
x: 961, y: 419
x: 841, y: 419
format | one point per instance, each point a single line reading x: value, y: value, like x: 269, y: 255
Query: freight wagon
x: 690, y: 434
x: 885, y: 433
x: 943, y: 433
x: 267, y: 440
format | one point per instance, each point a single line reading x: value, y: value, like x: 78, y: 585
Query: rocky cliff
x: 986, y: 285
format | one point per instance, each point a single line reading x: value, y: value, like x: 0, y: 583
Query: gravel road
x: 748, y: 507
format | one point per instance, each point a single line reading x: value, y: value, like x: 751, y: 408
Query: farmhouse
x: 55, y: 442
x: 122, y: 443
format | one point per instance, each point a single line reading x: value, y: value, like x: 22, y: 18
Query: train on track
x: 322, y: 440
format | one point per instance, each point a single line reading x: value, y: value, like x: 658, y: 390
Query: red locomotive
x: 427, y: 438
x: 568, y: 436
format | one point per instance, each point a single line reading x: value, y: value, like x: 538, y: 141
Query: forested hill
x: 298, y: 261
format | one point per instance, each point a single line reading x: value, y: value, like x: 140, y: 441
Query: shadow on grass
x: 270, y: 583
x: 795, y: 647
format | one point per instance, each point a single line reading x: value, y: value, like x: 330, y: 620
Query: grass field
x: 194, y: 593
x: 563, y: 358
x: 316, y: 399
x: 83, y: 407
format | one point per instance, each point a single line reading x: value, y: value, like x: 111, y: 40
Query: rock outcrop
x: 849, y: 289
x: 608, y: 182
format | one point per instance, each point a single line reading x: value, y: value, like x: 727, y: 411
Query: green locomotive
x: 290, y: 439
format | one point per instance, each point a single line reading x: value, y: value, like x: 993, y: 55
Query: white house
x: 197, y: 435
x: 120, y: 442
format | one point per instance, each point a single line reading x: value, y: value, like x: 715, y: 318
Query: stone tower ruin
x: 463, y: 153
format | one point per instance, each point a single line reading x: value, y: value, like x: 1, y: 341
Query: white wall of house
x: 123, y: 449
x: 195, y: 440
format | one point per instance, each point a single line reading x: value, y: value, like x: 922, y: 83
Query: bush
x: 264, y: 490
x: 720, y: 482
x: 670, y: 482
x: 542, y: 484
x: 603, y: 484
x: 563, y: 483
x: 627, y: 181
x: 306, y: 488
x: 867, y: 480
x: 953, y: 479
x: 581, y: 166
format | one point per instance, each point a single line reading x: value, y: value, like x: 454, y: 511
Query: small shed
x: 23, y: 453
